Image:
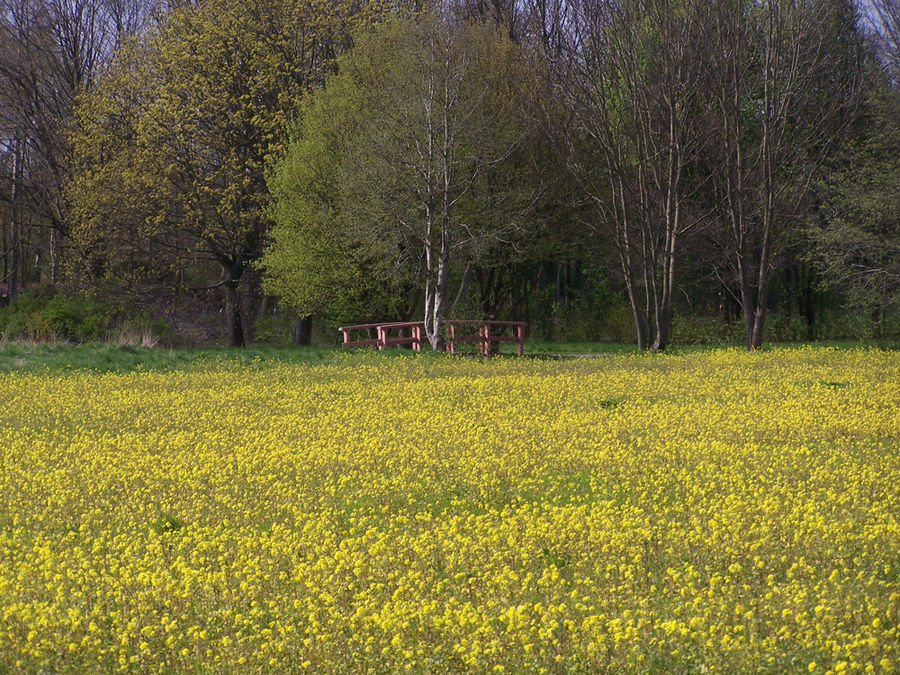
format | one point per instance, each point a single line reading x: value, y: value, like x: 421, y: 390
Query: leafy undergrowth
x: 718, y: 510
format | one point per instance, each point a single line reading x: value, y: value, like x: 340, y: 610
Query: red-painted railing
x: 347, y: 330
x: 415, y: 338
x: 485, y: 336
x: 391, y: 334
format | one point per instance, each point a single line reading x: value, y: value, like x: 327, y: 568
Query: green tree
x: 173, y: 144
x: 401, y: 166
x: 856, y: 241
x: 319, y: 260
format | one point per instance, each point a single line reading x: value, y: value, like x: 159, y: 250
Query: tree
x: 887, y: 30
x: 217, y: 83
x: 49, y: 52
x: 318, y: 259
x: 856, y: 238
x: 629, y: 76
x: 782, y: 79
x: 412, y: 138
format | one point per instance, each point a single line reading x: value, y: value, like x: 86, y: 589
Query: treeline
x: 640, y: 170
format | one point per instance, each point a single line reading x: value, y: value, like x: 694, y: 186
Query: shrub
x: 703, y: 330
x: 38, y: 315
x: 78, y: 317
x: 275, y: 330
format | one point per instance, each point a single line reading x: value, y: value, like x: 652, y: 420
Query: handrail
x: 359, y: 343
x: 417, y: 334
x: 417, y: 330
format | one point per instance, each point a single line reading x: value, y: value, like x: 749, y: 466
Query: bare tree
x: 50, y: 50
x: 629, y: 77
x: 887, y: 28
x: 782, y: 80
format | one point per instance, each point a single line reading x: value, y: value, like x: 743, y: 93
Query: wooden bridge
x: 402, y: 333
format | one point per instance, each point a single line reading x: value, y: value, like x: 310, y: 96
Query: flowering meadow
x: 718, y: 510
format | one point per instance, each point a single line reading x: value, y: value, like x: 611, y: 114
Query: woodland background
x: 658, y: 171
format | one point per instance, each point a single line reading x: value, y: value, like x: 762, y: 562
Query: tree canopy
x: 406, y: 164
x: 173, y: 148
x: 580, y: 165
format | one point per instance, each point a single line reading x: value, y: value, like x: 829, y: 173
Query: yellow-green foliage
x: 730, y: 510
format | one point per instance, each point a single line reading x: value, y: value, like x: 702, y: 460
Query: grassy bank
x: 106, y: 357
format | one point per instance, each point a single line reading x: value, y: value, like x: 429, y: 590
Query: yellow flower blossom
x: 381, y: 514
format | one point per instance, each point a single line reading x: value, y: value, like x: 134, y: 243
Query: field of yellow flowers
x: 720, y: 510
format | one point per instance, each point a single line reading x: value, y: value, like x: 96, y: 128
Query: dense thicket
x: 627, y: 169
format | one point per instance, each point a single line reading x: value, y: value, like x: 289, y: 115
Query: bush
x: 20, y: 319
x: 856, y: 326
x: 705, y: 330
x: 576, y: 322
x: 79, y: 318
x: 618, y: 324
x: 276, y: 330
x: 786, y: 328
x: 40, y: 316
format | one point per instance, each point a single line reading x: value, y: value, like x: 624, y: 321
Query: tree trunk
x: 463, y: 287
x: 233, y: 325
x: 662, y: 335
x: 15, y: 222
x: 302, y: 329
x: 747, y: 309
x: 439, y: 294
x: 54, y: 256
x: 756, y: 332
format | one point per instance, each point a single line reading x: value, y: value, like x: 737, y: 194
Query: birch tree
x: 423, y: 111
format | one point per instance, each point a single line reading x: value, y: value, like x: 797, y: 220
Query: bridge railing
x: 401, y: 333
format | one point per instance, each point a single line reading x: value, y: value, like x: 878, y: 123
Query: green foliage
x: 173, y: 145
x: 184, y: 140
x: 374, y: 175
x: 275, y: 330
x: 42, y: 316
x: 706, y: 330
x: 594, y: 309
x: 79, y: 317
x: 786, y: 328
x: 317, y: 259
x: 856, y: 243
x: 16, y: 318
x: 166, y: 523
x: 854, y: 325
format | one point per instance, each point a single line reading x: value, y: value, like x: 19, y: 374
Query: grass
x: 16, y: 356
x: 104, y: 357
